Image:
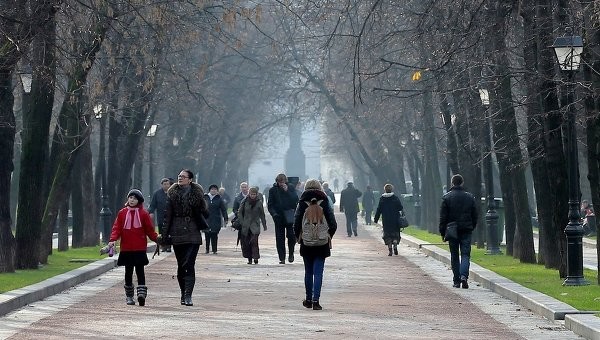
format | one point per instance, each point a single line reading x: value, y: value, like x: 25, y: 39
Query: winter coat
x: 389, y: 208
x: 133, y: 239
x: 315, y: 251
x: 349, y: 200
x: 280, y: 200
x: 158, y: 204
x: 251, y: 217
x: 368, y: 200
x: 458, y: 206
x: 183, y: 213
x: 331, y: 195
x: 216, y: 213
x: 237, y: 201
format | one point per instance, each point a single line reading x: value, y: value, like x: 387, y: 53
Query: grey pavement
x: 366, y: 294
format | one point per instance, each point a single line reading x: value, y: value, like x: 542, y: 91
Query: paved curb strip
x: 586, y: 325
x: 18, y: 298
x: 581, y: 323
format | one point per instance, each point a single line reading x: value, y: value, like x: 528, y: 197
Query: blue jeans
x: 460, y: 266
x: 313, y: 277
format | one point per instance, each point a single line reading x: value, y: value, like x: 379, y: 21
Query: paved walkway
x: 366, y: 294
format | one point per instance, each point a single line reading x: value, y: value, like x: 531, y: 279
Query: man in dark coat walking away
x: 459, y: 206
x: 158, y: 204
x: 328, y: 191
x: 282, y: 206
x: 349, y: 206
x: 368, y: 200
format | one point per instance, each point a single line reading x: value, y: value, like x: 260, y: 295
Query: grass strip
x: 58, y: 263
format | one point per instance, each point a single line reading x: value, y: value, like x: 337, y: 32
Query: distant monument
x: 295, y: 160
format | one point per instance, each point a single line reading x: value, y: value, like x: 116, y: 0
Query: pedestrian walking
x: 157, y: 207
x: 282, y: 205
x: 349, y: 206
x: 389, y: 209
x: 217, y: 215
x: 225, y: 197
x: 184, y: 219
x: 244, y: 188
x: 459, y: 206
x: 329, y: 193
x: 251, y: 215
x: 313, y: 255
x: 368, y: 200
x: 132, y: 225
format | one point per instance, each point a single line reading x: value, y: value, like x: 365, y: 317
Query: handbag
x: 288, y: 214
x: 236, y: 224
x: 402, y: 221
x: 451, y: 231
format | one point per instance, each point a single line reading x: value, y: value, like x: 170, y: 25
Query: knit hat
x: 137, y: 194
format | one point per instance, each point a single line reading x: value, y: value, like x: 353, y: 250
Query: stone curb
x: 582, y: 323
x: 21, y: 297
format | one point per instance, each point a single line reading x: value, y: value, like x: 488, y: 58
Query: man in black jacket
x: 459, y: 206
x: 282, y: 203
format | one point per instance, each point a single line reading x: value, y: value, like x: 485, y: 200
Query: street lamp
x: 151, y: 133
x: 491, y: 217
x: 105, y: 212
x: 26, y: 76
x: 568, y: 49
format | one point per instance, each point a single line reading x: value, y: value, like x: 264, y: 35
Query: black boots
x: 181, y: 282
x: 307, y: 303
x: 390, y: 250
x: 395, y: 249
x: 129, y: 295
x: 190, y: 281
x: 142, y: 292
x: 316, y: 305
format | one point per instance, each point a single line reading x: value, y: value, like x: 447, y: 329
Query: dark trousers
x: 186, y: 259
x: 368, y: 216
x: 281, y: 232
x: 211, y: 240
x: 351, y: 222
x: 139, y: 272
x: 460, y: 265
x: 250, y: 248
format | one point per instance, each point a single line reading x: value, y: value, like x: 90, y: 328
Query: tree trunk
x: 63, y: 228
x: 555, y: 158
x: 7, y: 141
x: 507, y: 141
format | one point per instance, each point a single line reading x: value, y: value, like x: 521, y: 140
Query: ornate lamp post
x: 105, y: 212
x: 568, y: 49
x: 491, y: 217
x: 151, y: 133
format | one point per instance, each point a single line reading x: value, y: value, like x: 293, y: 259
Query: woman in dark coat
x: 217, y: 213
x: 389, y: 209
x: 184, y: 218
x: 314, y: 256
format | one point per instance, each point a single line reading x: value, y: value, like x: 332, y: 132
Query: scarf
x: 135, y: 221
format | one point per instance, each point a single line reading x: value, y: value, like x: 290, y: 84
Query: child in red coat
x: 132, y: 225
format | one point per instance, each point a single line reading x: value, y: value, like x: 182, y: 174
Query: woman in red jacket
x: 132, y: 225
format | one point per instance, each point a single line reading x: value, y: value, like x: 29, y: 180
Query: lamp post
x: 568, y: 49
x: 151, y: 133
x: 491, y: 217
x: 416, y: 188
x: 105, y: 213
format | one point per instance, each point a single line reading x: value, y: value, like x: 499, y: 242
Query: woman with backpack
x: 314, y: 247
